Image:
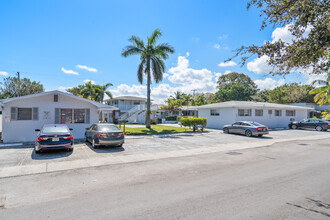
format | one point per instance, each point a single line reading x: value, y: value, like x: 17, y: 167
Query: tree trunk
x: 148, y: 95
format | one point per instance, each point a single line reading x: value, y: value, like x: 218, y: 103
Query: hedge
x: 171, y: 118
x: 193, y: 122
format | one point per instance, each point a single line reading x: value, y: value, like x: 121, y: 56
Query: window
x: 244, y: 112
x: 270, y: 112
x: 76, y: 116
x: 259, y: 112
x: 278, y: 112
x: 79, y: 116
x: 214, y: 112
x: 136, y: 102
x: 290, y: 113
x: 55, y: 98
x: 24, y: 113
x: 237, y: 123
x: 66, y: 116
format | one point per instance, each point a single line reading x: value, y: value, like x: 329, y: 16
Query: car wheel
x: 120, y: 145
x: 319, y: 128
x: 294, y: 126
x: 38, y: 151
x: 259, y: 135
x: 226, y: 130
x: 248, y: 133
x: 93, y: 143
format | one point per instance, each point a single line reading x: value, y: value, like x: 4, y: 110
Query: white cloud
x: 216, y: 46
x: 269, y: 83
x: 217, y: 75
x: 226, y: 72
x: 184, y: 78
x: 187, y: 54
x: 69, y: 71
x: 260, y: 65
x: 83, y: 67
x: 230, y: 63
x: 165, y: 75
x: 88, y: 80
x: 63, y: 88
x: 3, y: 73
x: 284, y: 34
x: 224, y: 36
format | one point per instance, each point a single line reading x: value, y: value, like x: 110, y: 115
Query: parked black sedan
x: 54, y: 136
x: 249, y: 128
x: 317, y: 124
x: 105, y: 134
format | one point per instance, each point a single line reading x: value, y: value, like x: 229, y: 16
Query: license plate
x: 55, y: 139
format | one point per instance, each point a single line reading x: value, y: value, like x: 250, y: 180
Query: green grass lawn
x: 155, y: 129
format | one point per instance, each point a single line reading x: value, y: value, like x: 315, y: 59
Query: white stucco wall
x: 270, y: 120
x: 21, y: 131
x: 230, y: 115
x: 227, y: 116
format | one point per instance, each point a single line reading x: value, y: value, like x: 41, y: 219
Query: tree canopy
x: 15, y: 87
x: 235, y: 86
x: 308, y: 22
x: 91, y: 91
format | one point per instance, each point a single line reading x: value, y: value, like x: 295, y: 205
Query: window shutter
x: 57, y: 115
x: 13, y: 113
x: 35, y: 114
x: 87, y: 116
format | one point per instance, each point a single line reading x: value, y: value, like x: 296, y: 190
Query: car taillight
x: 68, y: 138
x: 42, y: 139
x: 101, y: 135
x: 258, y: 129
x: 121, y: 134
x: 328, y: 123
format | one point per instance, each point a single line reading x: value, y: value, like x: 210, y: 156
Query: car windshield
x: 108, y: 128
x: 255, y: 124
x: 55, y: 129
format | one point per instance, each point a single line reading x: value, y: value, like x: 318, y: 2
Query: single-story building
x: 316, y: 108
x: 270, y: 114
x: 22, y: 115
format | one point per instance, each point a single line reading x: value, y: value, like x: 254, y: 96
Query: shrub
x: 171, y: 118
x: 193, y: 122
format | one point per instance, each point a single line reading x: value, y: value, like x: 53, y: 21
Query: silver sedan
x: 104, y: 134
x: 248, y: 128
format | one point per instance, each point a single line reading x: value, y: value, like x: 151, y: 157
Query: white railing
x: 130, y: 112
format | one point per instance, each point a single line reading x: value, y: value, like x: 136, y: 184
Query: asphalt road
x: 284, y: 181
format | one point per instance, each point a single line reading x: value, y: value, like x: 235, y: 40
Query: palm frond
x: 138, y: 42
x: 164, y: 48
x: 108, y: 93
x: 131, y: 50
x: 156, y: 70
x: 154, y: 37
x: 141, y: 71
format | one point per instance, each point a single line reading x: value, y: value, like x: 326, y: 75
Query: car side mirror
x: 70, y: 129
x: 87, y: 129
x: 36, y: 129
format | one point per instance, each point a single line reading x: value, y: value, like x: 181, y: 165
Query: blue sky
x: 44, y: 39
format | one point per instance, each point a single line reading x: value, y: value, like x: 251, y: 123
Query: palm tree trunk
x: 148, y: 99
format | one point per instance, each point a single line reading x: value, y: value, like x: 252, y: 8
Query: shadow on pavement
x: 106, y: 149
x: 50, y: 154
x: 318, y: 203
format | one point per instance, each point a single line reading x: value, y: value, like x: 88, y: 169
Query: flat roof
x: 250, y: 104
x: 128, y: 98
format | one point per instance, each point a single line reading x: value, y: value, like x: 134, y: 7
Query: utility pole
x: 194, y: 90
x: 19, y: 85
x: 18, y: 75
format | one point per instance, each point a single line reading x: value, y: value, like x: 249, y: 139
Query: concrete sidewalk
x: 119, y: 159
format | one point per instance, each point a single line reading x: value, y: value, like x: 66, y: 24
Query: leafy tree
x: 262, y: 96
x: 177, y: 95
x: 152, y: 58
x: 173, y: 105
x: 186, y: 98
x: 91, y: 91
x: 291, y: 93
x: 199, y: 100
x: 235, y: 86
x: 322, y: 93
x: 308, y: 48
x: 15, y: 87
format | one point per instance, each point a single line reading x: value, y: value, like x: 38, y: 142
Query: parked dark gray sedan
x: 104, y: 134
x: 311, y: 123
x: 248, y: 128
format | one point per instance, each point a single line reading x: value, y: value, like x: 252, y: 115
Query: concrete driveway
x: 23, y: 160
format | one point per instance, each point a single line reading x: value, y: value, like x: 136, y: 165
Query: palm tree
x: 322, y: 93
x: 101, y: 90
x: 177, y: 95
x: 89, y: 91
x: 152, y: 58
x: 186, y: 98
